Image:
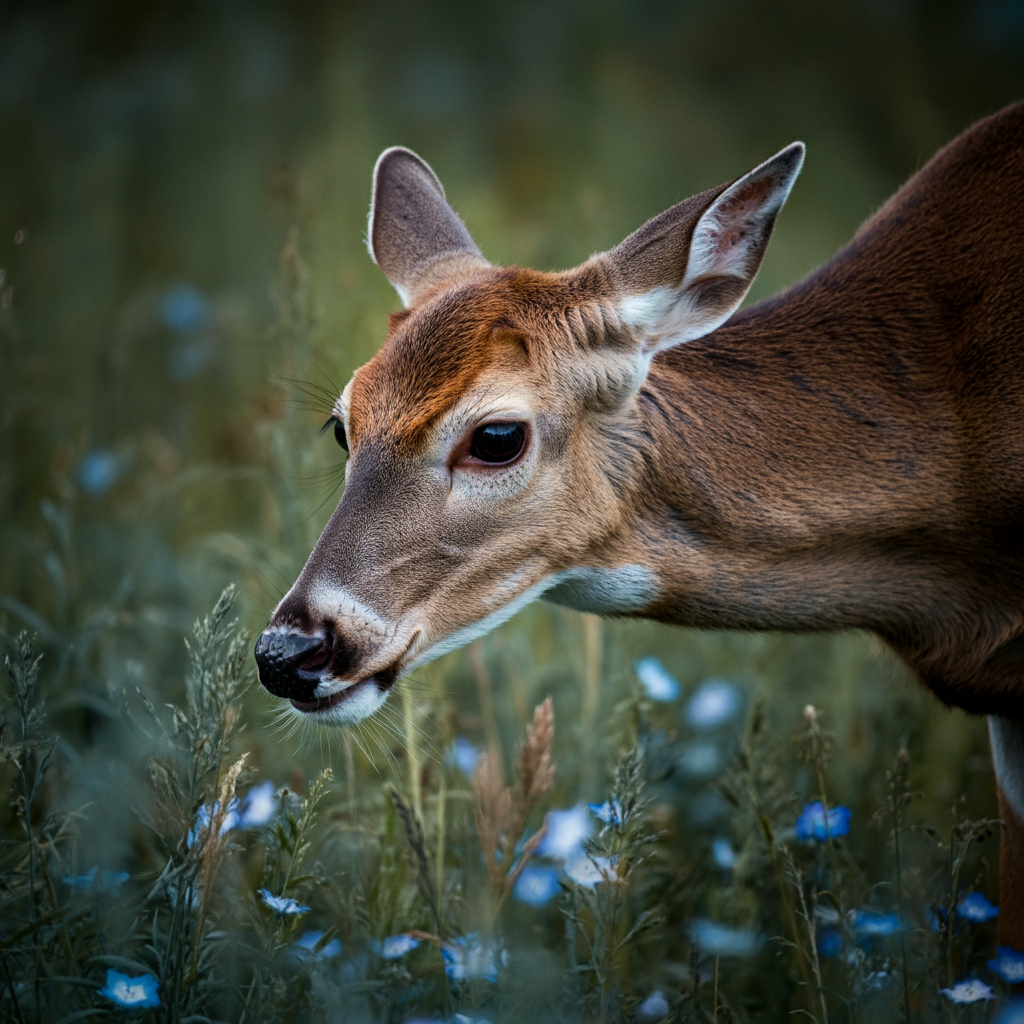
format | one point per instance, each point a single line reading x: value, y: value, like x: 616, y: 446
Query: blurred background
x: 184, y: 288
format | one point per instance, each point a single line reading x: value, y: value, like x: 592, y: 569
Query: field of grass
x: 574, y: 819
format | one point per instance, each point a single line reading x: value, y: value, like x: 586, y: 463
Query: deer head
x: 494, y: 442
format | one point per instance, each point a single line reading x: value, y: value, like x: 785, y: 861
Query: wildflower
x: 468, y: 957
x: 305, y: 946
x: 184, y: 309
x: 281, y: 904
x: 566, y: 832
x: 610, y: 812
x: 702, y: 758
x: 655, y: 679
x: 723, y: 854
x: 975, y: 907
x: 654, y: 1007
x: 394, y: 947
x: 464, y: 755
x: 130, y: 992
x: 259, y: 806
x: 204, y: 816
x: 98, y: 471
x: 97, y: 881
x: 813, y: 824
x: 972, y: 991
x: 536, y: 885
x: 587, y: 871
x: 1011, y: 1013
x: 871, y: 922
x: 714, y: 703
x: 722, y: 939
x: 829, y: 941
x: 1009, y: 965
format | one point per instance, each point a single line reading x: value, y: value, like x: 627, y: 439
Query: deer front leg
x: 1007, y: 738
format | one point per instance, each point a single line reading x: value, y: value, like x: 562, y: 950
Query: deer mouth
x: 382, y: 681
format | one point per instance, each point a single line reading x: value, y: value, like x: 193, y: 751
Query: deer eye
x: 498, y: 442
x: 339, y: 431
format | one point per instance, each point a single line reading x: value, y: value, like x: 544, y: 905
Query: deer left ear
x: 685, y: 272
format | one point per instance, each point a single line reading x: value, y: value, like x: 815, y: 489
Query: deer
x: 619, y: 439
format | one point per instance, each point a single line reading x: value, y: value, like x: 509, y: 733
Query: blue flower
x: 566, y: 832
x: 184, y: 309
x: 654, y: 1007
x: 829, y: 941
x: 586, y: 870
x: 871, y: 922
x: 468, y: 957
x: 281, y: 904
x: 536, y: 885
x: 972, y: 991
x: 655, y: 679
x: 394, y: 947
x: 97, y: 881
x: 701, y: 758
x: 722, y: 939
x: 259, y: 806
x: 204, y: 817
x: 723, y: 854
x: 464, y: 755
x: 129, y: 992
x: 1009, y: 965
x: 610, y: 812
x: 714, y: 703
x: 98, y: 471
x: 305, y: 946
x: 975, y: 907
x: 1010, y: 1013
x: 812, y: 822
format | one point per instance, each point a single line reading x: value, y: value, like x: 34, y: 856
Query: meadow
x: 573, y: 819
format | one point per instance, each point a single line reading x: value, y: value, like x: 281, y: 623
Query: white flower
x: 588, y: 871
x: 259, y: 805
x: 972, y: 991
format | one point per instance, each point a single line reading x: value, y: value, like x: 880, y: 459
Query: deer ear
x: 415, y: 237
x: 685, y: 272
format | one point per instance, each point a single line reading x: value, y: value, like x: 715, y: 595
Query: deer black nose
x: 290, y: 663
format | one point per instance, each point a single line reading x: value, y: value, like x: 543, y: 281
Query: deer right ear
x: 415, y: 237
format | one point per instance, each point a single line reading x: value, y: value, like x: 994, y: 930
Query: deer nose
x: 290, y: 663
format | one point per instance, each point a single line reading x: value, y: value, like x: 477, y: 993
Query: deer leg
x: 1007, y: 738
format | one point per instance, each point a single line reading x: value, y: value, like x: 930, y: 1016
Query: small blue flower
x: 305, y: 946
x: 281, y: 904
x: 468, y: 957
x: 259, y: 806
x: 394, y: 947
x: 97, y: 881
x: 715, y: 703
x: 129, y: 992
x: 610, y: 812
x: 655, y: 679
x: 566, y: 832
x: 204, y: 817
x: 654, y: 1007
x: 829, y: 941
x: 536, y: 885
x: 812, y: 822
x: 1009, y: 965
x: 723, y: 854
x: 1010, y: 1013
x: 587, y: 871
x: 98, y: 471
x: 184, y: 309
x: 719, y: 939
x: 972, y: 991
x: 975, y: 907
x: 464, y: 755
x: 871, y: 922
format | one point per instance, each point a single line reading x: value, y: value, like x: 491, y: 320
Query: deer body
x: 848, y: 454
